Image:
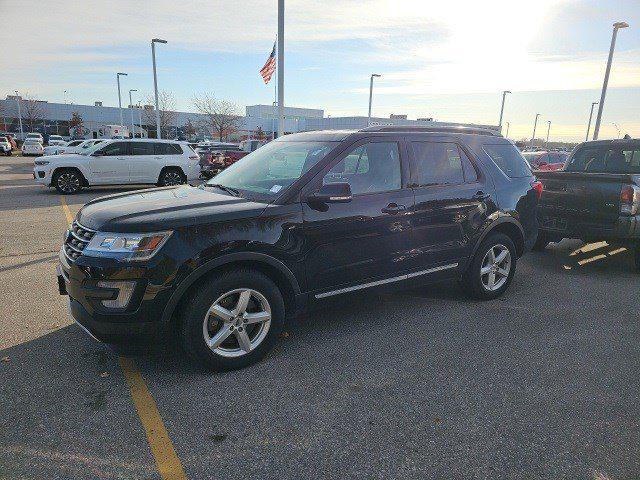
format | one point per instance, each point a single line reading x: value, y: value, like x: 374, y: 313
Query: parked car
x: 80, y: 147
x: 546, y: 160
x: 5, y: 146
x: 55, y: 140
x: 54, y: 149
x: 118, y: 162
x: 36, y: 136
x: 32, y: 146
x: 595, y: 198
x: 308, y: 216
x: 11, y: 138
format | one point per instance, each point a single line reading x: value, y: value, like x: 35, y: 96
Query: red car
x: 546, y: 161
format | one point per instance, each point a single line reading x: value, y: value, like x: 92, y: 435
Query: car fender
x: 218, y: 262
x: 500, y: 218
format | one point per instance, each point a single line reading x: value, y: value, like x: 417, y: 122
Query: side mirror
x: 333, y: 193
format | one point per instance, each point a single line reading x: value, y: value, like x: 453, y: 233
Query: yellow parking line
x: 164, y: 454
x: 65, y: 207
x: 167, y: 461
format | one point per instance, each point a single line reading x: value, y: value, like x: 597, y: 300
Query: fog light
x: 125, y: 290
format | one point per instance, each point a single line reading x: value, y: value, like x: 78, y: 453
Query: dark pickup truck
x: 595, y: 197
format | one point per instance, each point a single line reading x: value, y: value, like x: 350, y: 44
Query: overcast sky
x: 446, y: 59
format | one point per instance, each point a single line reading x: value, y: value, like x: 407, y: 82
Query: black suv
x: 305, y: 217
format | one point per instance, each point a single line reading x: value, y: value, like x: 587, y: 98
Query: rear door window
x: 508, y: 159
x: 437, y: 163
x: 142, y: 148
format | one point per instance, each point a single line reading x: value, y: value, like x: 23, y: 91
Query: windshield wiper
x: 232, y: 191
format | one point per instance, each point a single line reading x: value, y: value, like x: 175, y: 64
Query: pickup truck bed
x: 596, y: 197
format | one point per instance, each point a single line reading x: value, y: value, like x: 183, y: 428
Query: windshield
x: 272, y: 168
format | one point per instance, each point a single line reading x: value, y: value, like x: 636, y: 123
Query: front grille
x: 78, y: 238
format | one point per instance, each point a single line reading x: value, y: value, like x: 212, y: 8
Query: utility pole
x: 373, y: 75
x: 18, y: 98
x: 155, y: 82
x: 133, y: 131
x: 280, y: 67
x: 548, y: 130
x: 593, y: 104
x: 504, y: 94
x: 535, y: 124
x: 118, y: 75
x: 616, y: 27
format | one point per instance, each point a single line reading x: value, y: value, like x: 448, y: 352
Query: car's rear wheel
x: 67, y: 181
x: 170, y: 177
x: 492, y: 268
x: 233, y: 320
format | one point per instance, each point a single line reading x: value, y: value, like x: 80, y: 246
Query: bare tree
x: 168, y: 114
x: 32, y: 110
x: 221, y: 116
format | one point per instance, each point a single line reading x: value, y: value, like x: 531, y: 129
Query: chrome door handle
x: 393, y: 208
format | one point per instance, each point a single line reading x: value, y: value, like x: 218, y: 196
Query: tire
x: 541, y: 242
x: 225, y: 329
x: 477, y: 284
x: 68, y: 181
x: 171, y: 177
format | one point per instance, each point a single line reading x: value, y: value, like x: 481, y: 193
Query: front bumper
x: 136, y: 324
x: 42, y: 175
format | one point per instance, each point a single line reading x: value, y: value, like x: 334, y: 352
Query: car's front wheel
x: 68, y: 181
x: 492, y: 268
x: 232, y: 320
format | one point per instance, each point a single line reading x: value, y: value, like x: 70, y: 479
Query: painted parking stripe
x: 164, y: 454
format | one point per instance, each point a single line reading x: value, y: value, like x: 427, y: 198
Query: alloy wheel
x: 237, y: 322
x: 69, y: 182
x: 172, y: 178
x: 496, y: 266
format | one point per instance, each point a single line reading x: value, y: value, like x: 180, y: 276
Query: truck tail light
x: 537, y: 187
x: 629, y: 200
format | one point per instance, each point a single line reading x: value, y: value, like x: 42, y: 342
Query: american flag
x: 270, y: 66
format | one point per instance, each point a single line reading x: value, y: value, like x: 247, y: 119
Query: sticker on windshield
x: 276, y: 188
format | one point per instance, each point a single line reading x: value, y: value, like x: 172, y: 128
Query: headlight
x: 41, y: 162
x: 126, y: 246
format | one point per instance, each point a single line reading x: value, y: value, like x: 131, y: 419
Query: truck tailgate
x: 575, y: 202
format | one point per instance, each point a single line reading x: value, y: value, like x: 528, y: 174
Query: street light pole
x: 617, y: 128
x: 548, y: 129
x: 593, y: 104
x: 19, y: 115
x: 504, y: 94
x: 371, y: 96
x: 140, y: 117
x: 155, y: 82
x: 535, y: 124
x: 507, y: 134
x: 133, y: 132
x: 616, y: 27
x: 119, y: 96
x: 280, y: 68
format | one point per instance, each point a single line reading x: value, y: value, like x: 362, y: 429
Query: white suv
x: 117, y: 162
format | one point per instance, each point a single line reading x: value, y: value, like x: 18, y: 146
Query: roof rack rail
x: 444, y: 129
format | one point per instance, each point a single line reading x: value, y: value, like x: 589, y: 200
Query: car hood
x: 164, y: 209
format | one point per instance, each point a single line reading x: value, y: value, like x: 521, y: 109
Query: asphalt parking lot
x: 542, y: 383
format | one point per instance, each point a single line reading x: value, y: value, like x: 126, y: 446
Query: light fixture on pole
x: 280, y: 67
x: 19, y: 115
x: 373, y: 75
x: 593, y: 104
x: 616, y: 26
x: 507, y: 134
x: 548, y: 130
x: 617, y: 128
x: 118, y: 75
x: 133, y: 131
x: 155, y: 82
x: 535, y: 124
x: 504, y: 94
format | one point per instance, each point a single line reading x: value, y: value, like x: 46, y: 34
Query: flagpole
x: 280, y: 67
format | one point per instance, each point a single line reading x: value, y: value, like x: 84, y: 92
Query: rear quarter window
x: 508, y: 159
